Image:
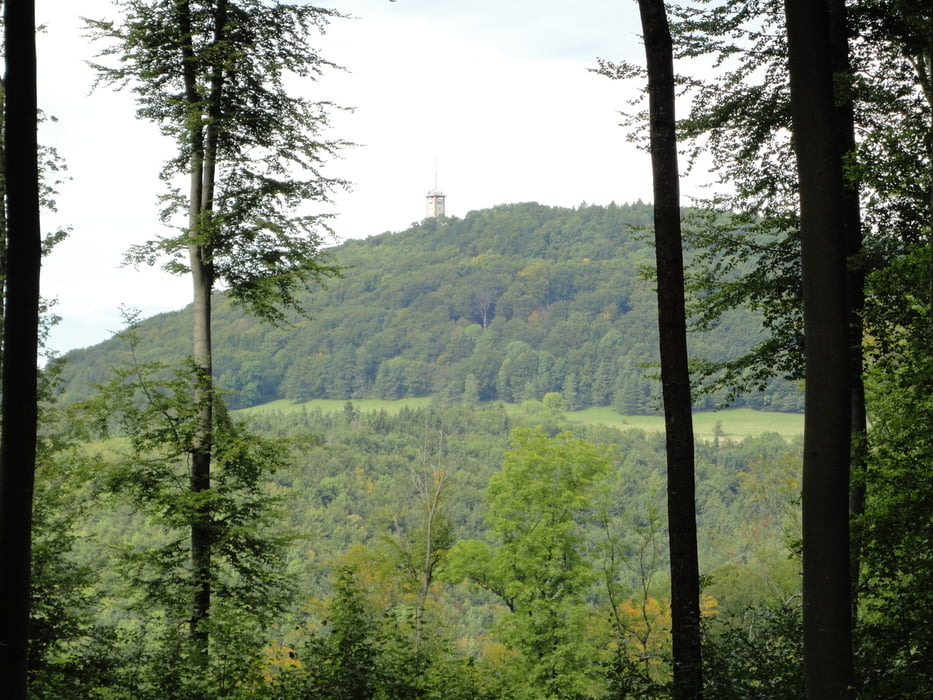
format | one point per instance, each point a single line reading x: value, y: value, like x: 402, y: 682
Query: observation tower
x: 435, y: 199
x: 435, y: 204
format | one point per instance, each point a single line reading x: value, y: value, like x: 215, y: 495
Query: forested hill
x: 507, y: 303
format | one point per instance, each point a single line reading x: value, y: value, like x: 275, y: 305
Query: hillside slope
x: 507, y: 303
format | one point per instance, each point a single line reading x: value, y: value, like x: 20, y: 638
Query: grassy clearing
x: 733, y: 424
x: 335, y: 405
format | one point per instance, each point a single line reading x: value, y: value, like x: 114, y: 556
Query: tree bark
x: 20, y: 345
x: 827, y: 593
x: 202, y: 283
x: 852, y: 223
x: 3, y: 199
x: 675, y: 376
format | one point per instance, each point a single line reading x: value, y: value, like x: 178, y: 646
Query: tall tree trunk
x: 827, y: 593
x: 852, y: 223
x: 202, y: 283
x: 214, y: 108
x: 675, y: 376
x: 20, y: 345
x: 3, y: 200
x: 204, y: 142
x: 925, y: 74
x: 201, y: 525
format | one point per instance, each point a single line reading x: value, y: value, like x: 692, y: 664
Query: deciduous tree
x: 148, y: 406
x: 675, y: 375
x: 828, y: 664
x: 538, y: 566
x: 213, y: 74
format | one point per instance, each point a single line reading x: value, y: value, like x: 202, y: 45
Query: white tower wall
x: 435, y: 204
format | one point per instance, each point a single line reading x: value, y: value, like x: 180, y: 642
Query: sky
x: 491, y: 101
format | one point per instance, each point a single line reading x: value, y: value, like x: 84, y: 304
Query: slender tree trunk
x: 3, y: 199
x: 199, y: 262
x: 201, y: 525
x: 431, y: 494
x: 922, y: 61
x: 926, y: 79
x: 675, y: 376
x: 20, y: 345
x: 204, y: 143
x: 212, y: 127
x: 827, y: 592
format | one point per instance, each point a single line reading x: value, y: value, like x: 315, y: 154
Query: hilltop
x: 507, y: 303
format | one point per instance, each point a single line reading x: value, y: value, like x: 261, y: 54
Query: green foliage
x: 897, y: 524
x: 67, y: 640
x: 62, y: 609
x: 148, y: 407
x: 537, y: 505
x: 746, y: 243
x: 746, y: 254
x: 743, y: 247
x: 66, y: 637
x: 758, y: 656
x: 341, y: 665
x: 358, y: 654
x: 543, y: 307
x: 216, y: 78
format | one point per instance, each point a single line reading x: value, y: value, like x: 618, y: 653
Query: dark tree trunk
x: 20, y: 345
x: 852, y: 222
x: 3, y: 199
x: 828, y: 667
x: 675, y: 376
x: 201, y: 524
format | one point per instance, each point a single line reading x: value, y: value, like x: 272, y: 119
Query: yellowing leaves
x: 279, y: 658
x: 647, y: 623
x: 534, y: 270
x: 709, y: 606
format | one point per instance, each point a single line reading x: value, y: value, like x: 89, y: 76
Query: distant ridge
x: 507, y: 303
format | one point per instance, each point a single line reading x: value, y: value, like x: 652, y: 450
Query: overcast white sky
x: 496, y: 92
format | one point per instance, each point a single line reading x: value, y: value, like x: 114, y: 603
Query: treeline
x: 509, y: 303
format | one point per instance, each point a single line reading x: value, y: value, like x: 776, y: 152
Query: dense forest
x: 509, y: 304
x: 166, y: 532
x: 389, y: 564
